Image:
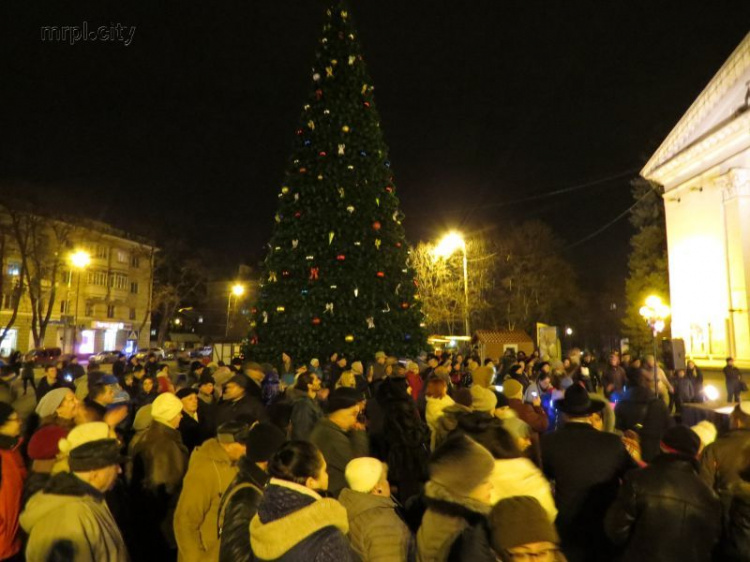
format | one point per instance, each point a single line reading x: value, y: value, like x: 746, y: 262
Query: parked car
x: 206, y: 351
x: 44, y: 355
x: 105, y: 357
x: 157, y: 351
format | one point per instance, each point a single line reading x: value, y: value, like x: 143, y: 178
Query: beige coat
x: 195, y: 520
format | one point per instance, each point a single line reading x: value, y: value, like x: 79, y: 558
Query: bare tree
x: 12, y: 285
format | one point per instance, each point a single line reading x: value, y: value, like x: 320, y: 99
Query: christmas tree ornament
x: 364, y: 89
x: 314, y: 273
x: 309, y: 258
x: 295, y: 243
x: 277, y: 248
x: 326, y: 112
x: 296, y: 196
x: 329, y: 72
x: 350, y: 209
x: 334, y: 287
x: 316, y: 321
x: 349, y: 338
x: 366, y: 104
x: 342, y: 149
x: 272, y: 276
x: 316, y: 77
x: 345, y: 128
x: 285, y: 273
x: 378, y: 242
x: 404, y: 305
x: 341, y: 257
x: 341, y: 192
x: 398, y: 288
x: 277, y: 218
x: 350, y: 167
x: 253, y: 324
x: 334, y: 62
x: 300, y: 132
x: 303, y: 170
x: 370, y: 322
x: 307, y: 142
x: 322, y: 154
x: 285, y: 190
x: 389, y: 188
x: 265, y: 317
x: 304, y: 292
x: 344, y: 14
x: 329, y: 308
x: 380, y: 274
x: 331, y: 235
x: 387, y: 308
x: 280, y: 309
x: 318, y: 94
x: 352, y: 59
x: 363, y: 153
x: 376, y: 225
x: 356, y: 292
x: 306, y: 107
x: 377, y: 201
x: 387, y: 163
x: 398, y: 244
x: 254, y: 310
x: 357, y: 243
x: 320, y: 177
x: 311, y: 125
x: 351, y: 36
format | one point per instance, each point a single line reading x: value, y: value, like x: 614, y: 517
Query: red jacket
x: 535, y: 416
x: 11, y: 486
x: 415, y: 383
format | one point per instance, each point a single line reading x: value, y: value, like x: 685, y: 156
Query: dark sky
x: 483, y: 103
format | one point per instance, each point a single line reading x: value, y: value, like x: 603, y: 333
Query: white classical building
x: 704, y: 166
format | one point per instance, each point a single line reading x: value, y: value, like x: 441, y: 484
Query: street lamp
x: 237, y: 290
x: 655, y: 313
x: 80, y: 260
x: 446, y: 247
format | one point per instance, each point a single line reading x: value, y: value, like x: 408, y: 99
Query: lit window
x: 110, y: 311
x: 122, y: 256
x: 134, y: 287
x: 14, y: 269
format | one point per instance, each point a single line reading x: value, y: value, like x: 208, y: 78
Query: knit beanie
x: 482, y: 376
x: 166, y: 407
x: 482, y: 399
x: 513, y: 389
x: 6, y: 410
x: 51, y: 401
x: 682, y: 440
x: 343, y: 398
x: 357, y: 368
x: 185, y: 392
x: 263, y: 440
x: 706, y: 431
x: 460, y: 464
x: 44, y: 444
x: 363, y: 474
x: 84, y: 433
x: 520, y: 520
x: 205, y: 378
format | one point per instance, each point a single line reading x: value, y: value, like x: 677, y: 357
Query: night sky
x: 483, y: 103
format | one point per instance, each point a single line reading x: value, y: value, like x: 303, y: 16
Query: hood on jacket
x: 440, y: 499
x: 61, y: 490
x: 357, y: 503
x: 272, y: 540
x: 211, y: 451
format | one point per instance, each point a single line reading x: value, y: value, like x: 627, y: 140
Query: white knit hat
x: 166, y: 407
x: 51, y: 401
x: 363, y: 474
x: 84, y: 433
x: 706, y: 431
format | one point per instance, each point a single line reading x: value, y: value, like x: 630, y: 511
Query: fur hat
x: 482, y: 376
x: 94, y: 455
x: 482, y: 399
x: 45, y: 443
x: 520, y: 520
x: 263, y: 440
x: 343, y: 398
x: 681, y: 440
x: 460, y: 464
x: 706, y: 431
x: 51, y: 401
x: 513, y: 389
x: 166, y: 407
x: 363, y: 474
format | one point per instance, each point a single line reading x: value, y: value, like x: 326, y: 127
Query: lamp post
x: 450, y: 243
x: 80, y: 260
x: 655, y: 313
x: 237, y: 290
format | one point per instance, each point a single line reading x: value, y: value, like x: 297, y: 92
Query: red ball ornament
x: 318, y: 93
x: 376, y: 225
x: 254, y: 310
x: 300, y: 132
x: 389, y: 188
x: 316, y: 321
x: 404, y: 305
x: 285, y: 273
x: 297, y: 214
x: 398, y: 244
x: 341, y: 257
x: 367, y: 104
x: 380, y: 274
x: 303, y: 170
x: 322, y: 153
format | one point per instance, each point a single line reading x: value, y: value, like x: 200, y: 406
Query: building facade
x: 105, y: 305
x: 704, y: 166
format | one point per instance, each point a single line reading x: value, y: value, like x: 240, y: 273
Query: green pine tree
x: 336, y: 276
x: 648, y: 266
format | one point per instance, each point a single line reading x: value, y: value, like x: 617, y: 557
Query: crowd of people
x: 436, y: 458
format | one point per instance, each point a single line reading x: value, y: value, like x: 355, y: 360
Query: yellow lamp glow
x: 450, y: 243
x: 653, y: 301
x: 238, y: 290
x: 80, y: 259
x: 711, y: 393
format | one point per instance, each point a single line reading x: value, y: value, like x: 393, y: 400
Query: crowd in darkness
x: 440, y: 457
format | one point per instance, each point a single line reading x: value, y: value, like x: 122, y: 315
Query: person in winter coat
x: 520, y: 530
x: 241, y: 398
x: 12, y: 476
x: 190, y: 426
x: 156, y: 471
x: 683, y: 390
x: 735, y: 541
x: 414, y: 380
x: 513, y: 475
x: 613, y: 378
x: 27, y: 376
x: 340, y: 436
x: 722, y: 461
x: 147, y: 393
x: 641, y: 411
x: 163, y: 380
x: 294, y: 523
x: 306, y: 411
x: 449, y: 419
x: 240, y: 502
x: 212, y: 468
x: 376, y: 531
x: 457, y: 497
x: 695, y: 375
x: 437, y: 400
x: 42, y: 451
x: 533, y: 414
x: 665, y: 511
x: 49, y: 381
x: 69, y: 519
x: 585, y: 466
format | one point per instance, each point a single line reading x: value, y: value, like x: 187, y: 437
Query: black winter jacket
x: 665, y: 512
x: 647, y: 415
x: 239, y: 505
x: 735, y: 542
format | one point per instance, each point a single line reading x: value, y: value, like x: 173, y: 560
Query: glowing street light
x: 655, y: 313
x: 445, y: 248
x: 237, y: 290
x: 79, y: 260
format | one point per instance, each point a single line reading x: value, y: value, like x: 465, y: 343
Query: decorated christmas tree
x: 336, y: 277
